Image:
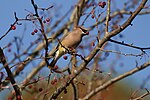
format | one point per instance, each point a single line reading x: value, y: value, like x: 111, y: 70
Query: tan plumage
x: 72, y: 40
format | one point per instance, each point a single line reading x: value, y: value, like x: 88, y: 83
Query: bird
x: 70, y: 42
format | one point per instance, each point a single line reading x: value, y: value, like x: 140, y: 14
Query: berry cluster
x: 54, y: 81
x: 35, y: 31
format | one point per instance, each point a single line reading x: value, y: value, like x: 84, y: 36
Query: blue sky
x: 138, y: 34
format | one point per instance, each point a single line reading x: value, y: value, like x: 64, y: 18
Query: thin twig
x: 117, y: 52
x: 130, y: 45
x: 74, y: 87
x: 108, y: 16
x: 142, y: 96
x: 16, y: 20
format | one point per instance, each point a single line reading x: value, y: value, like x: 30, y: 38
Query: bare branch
x: 117, y: 52
x: 108, y: 16
x: 142, y: 96
x: 114, y: 80
x: 42, y: 31
x: 130, y: 45
x: 10, y: 28
x: 10, y: 75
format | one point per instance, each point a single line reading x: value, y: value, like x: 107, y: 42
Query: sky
x: 138, y: 34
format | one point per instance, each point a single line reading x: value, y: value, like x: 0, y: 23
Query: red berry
x: 40, y: 89
x: 47, y: 19
x: 93, y: 44
x: 13, y: 27
x: 55, y: 79
x: 30, y: 86
x: 65, y: 57
x: 35, y: 30
x: 9, y: 50
x: 52, y: 82
x: 55, y: 67
x: 32, y: 33
x: 93, y: 16
x: 102, y: 4
x: 18, y: 97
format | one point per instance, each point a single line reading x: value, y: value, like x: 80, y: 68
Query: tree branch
x: 10, y: 75
x: 114, y: 80
x: 129, y: 45
x: 108, y: 16
x: 142, y: 96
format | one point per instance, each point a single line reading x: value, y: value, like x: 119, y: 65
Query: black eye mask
x: 84, y: 30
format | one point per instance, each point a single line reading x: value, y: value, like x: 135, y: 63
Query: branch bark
x: 10, y: 75
x: 114, y: 80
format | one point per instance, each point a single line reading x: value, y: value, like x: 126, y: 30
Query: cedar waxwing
x: 71, y: 41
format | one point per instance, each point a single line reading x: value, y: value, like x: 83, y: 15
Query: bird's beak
x: 84, y: 31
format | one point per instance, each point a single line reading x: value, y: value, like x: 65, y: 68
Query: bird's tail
x: 58, y: 54
x: 52, y: 64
